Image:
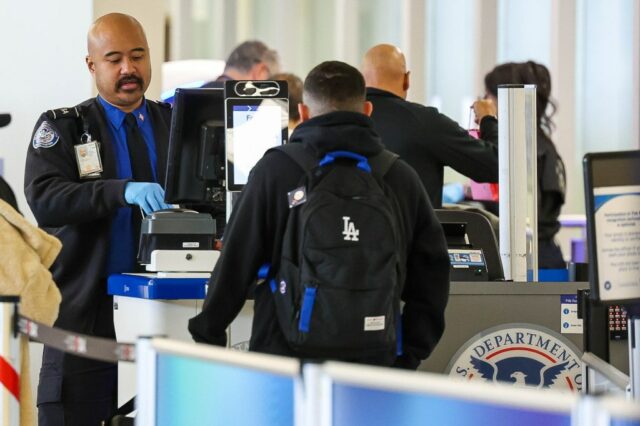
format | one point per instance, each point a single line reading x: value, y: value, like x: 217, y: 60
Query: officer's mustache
x: 129, y: 79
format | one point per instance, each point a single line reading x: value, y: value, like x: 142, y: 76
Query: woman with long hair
x: 551, y: 171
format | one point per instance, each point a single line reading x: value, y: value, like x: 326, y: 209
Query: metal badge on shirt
x: 88, y: 158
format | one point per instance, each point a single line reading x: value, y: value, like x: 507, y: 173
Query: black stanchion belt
x: 78, y: 344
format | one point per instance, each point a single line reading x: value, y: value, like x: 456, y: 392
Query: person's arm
x: 54, y: 191
x: 426, y: 290
x: 454, y: 147
x: 246, y: 247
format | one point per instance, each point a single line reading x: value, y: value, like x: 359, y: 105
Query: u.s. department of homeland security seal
x: 45, y: 136
x: 521, y: 354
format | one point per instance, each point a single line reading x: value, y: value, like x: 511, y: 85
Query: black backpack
x: 341, y: 270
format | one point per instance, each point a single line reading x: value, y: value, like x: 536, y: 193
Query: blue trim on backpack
x: 330, y: 157
x: 308, y: 301
x: 273, y: 285
x: 263, y: 271
x: 399, y: 350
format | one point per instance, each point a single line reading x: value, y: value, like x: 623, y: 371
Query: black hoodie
x: 256, y: 228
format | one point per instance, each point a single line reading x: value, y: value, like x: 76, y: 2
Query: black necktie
x: 140, y: 170
x: 138, y: 154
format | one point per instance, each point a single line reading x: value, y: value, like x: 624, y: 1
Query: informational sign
x: 612, y: 199
x: 617, y: 232
x: 569, y: 321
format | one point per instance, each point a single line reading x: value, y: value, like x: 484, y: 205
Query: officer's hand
x: 484, y: 107
x: 149, y: 196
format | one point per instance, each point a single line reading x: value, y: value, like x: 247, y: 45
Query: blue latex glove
x: 452, y: 193
x: 149, y: 196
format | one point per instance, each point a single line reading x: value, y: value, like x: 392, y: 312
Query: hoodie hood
x: 341, y: 130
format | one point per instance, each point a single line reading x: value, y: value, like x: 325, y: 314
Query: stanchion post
x: 9, y: 362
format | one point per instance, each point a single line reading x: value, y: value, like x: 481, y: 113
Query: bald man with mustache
x: 90, y: 171
x: 425, y: 138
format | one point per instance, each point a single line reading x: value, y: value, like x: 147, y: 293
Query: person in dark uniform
x: 6, y: 193
x: 551, y: 171
x: 334, y: 117
x: 90, y: 170
x: 250, y: 60
x: 425, y: 138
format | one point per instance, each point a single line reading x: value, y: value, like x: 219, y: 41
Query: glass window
x: 450, y: 57
x: 524, y: 31
x: 604, y: 83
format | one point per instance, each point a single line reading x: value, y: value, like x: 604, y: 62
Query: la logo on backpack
x: 337, y: 293
x: 350, y: 232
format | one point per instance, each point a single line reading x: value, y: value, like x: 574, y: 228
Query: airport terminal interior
x: 539, y: 222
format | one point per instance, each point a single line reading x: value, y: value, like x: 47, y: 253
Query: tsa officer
x: 91, y: 171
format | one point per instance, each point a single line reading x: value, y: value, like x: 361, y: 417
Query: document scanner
x: 177, y: 240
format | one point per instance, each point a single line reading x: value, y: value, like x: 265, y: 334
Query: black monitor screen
x: 612, y: 192
x: 196, y: 159
x: 253, y: 126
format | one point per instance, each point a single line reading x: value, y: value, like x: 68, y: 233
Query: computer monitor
x: 362, y: 395
x: 472, y: 246
x: 183, y: 383
x: 196, y: 158
x: 612, y: 195
x: 257, y: 119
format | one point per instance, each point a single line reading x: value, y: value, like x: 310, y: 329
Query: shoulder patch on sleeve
x: 46, y: 136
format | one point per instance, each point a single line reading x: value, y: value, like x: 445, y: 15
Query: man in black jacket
x: 90, y: 170
x: 6, y: 193
x: 334, y: 114
x: 422, y: 136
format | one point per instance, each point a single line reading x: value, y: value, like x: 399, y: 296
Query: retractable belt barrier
x: 78, y: 344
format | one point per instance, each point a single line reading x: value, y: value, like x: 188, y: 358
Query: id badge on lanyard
x: 88, y: 154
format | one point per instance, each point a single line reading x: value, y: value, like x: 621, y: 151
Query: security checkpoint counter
x: 145, y: 305
x: 483, y: 320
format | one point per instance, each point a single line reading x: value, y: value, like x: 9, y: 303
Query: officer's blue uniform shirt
x: 122, y: 253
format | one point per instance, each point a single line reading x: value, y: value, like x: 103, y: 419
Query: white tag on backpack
x: 374, y: 323
x: 297, y: 196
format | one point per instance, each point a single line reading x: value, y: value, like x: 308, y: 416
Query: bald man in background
x: 422, y: 136
x: 90, y: 171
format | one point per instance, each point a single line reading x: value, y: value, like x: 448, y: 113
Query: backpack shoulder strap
x: 298, y: 153
x: 382, y: 162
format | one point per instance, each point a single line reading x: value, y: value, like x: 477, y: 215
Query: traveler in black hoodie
x: 335, y: 117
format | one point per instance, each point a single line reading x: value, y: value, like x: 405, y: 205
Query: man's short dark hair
x: 252, y: 52
x: 334, y: 86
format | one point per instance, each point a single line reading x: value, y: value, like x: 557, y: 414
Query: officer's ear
x: 90, y: 64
